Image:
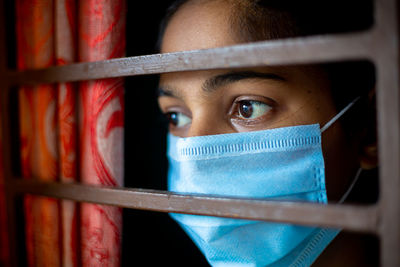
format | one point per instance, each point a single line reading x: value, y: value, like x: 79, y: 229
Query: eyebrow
x: 166, y: 91
x: 218, y: 81
x: 215, y: 82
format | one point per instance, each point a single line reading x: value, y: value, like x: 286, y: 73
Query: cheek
x: 307, y: 102
x: 308, y: 110
x: 341, y: 161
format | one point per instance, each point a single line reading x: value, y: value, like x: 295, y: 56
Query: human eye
x: 177, y: 119
x: 250, y: 110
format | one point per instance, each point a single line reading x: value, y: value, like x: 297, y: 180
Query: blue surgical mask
x: 283, y: 163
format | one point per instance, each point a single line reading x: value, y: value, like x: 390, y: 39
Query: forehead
x: 199, y: 25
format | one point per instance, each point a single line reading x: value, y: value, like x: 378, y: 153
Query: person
x: 225, y: 110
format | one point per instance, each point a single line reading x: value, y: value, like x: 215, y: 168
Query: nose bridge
x: 200, y: 128
x: 206, y: 123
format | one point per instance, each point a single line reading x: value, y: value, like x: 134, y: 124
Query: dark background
x: 149, y: 238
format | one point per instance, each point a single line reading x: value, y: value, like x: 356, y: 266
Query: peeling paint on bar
x: 252, y: 209
x: 314, y: 49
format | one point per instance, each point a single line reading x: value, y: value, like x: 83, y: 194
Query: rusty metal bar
x: 388, y: 108
x: 337, y: 216
x: 314, y: 49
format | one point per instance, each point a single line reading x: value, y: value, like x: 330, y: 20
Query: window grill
x: 380, y: 45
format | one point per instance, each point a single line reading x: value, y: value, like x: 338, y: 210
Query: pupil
x: 173, y: 118
x: 246, y: 109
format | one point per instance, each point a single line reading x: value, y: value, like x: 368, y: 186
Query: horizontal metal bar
x: 355, y: 218
x: 314, y: 49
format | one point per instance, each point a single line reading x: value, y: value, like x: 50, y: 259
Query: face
x: 212, y: 102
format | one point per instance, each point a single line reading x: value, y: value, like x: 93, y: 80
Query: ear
x: 368, y: 155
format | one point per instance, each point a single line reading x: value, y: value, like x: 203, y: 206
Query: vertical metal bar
x: 388, y: 106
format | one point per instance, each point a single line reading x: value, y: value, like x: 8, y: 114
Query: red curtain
x: 101, y: 36
x: 70, y: 122
x: 38, y: 125
x: 66, y: 52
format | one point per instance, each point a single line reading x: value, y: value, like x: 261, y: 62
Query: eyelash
x: 265, y: 103
x: 172, y: 115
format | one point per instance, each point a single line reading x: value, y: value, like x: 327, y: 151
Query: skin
x: 239, y: 100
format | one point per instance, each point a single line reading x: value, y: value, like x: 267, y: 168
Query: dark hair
x: 259, y: 20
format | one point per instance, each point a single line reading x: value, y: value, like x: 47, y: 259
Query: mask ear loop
x: 325, y: 127
x: 346, y: 194
x: 334, y: 119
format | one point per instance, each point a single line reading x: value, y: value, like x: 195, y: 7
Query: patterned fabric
x: 66, y: 53
x: 53, y: 138
x: 38, y: 127
x: 101, y: 36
